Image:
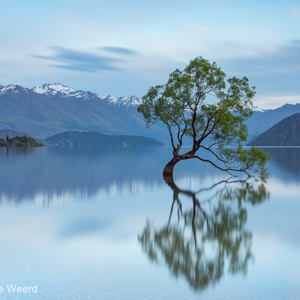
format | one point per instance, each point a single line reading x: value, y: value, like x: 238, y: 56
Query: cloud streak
x: 120, y: 50
x: 81, y: 61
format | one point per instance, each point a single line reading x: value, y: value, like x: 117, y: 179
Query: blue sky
x: 124, y: 47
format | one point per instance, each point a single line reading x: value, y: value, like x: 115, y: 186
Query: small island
x: 19, y: 141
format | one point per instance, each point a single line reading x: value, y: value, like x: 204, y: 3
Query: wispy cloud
x: 81, y: 61
x: 120, y: 50
x: 282, y: 60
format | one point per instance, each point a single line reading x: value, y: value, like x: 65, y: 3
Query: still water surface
x: 90, y: 224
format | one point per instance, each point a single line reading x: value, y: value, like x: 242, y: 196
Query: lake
x: 103, y: 224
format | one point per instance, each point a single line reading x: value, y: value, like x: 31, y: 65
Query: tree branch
x: 222, y: 169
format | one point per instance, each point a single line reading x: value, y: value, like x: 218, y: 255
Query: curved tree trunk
x: 168, y: 170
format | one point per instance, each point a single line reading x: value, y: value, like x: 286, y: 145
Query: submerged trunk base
x: 167, y: 174
x: 168, y: 170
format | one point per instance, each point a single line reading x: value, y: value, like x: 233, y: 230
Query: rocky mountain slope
x: 284, y: 133
x: 264, y: 119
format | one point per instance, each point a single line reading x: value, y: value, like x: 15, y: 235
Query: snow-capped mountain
x: 58, y: 88
x: 256, y: 108
x: 126, y: 102
x: 54, y: 108
x: 13, y: 88
x: 53, y: 89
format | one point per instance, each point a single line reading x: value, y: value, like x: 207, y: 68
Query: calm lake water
x: 94, y: 224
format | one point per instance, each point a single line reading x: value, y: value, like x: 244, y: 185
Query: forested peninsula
x: 19, y: 141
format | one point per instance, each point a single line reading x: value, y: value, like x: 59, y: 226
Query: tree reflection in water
x: 208, y: 236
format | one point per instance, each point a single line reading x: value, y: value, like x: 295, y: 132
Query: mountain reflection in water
x: 287, y: 159
x: 56, y: 175
x: 200, y: 241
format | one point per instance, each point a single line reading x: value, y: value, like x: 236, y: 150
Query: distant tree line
x: 19, y: 141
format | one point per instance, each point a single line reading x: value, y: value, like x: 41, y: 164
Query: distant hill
x: 284, y: 133
x: 262, y: 120
x: 99, y: 140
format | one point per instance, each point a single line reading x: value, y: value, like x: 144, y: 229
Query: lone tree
x: 180, y: 105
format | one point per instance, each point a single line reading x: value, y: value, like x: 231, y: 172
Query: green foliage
x: 2, y: 143
x: 18, y: 141
x: 180, y: 105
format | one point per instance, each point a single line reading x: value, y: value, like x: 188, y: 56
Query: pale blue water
x: 89, y: 224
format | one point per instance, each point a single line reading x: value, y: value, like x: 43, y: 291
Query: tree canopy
x: 218, y: 129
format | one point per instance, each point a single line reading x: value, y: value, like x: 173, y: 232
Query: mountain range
x: 283, y: 133
x: 54, y: 108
